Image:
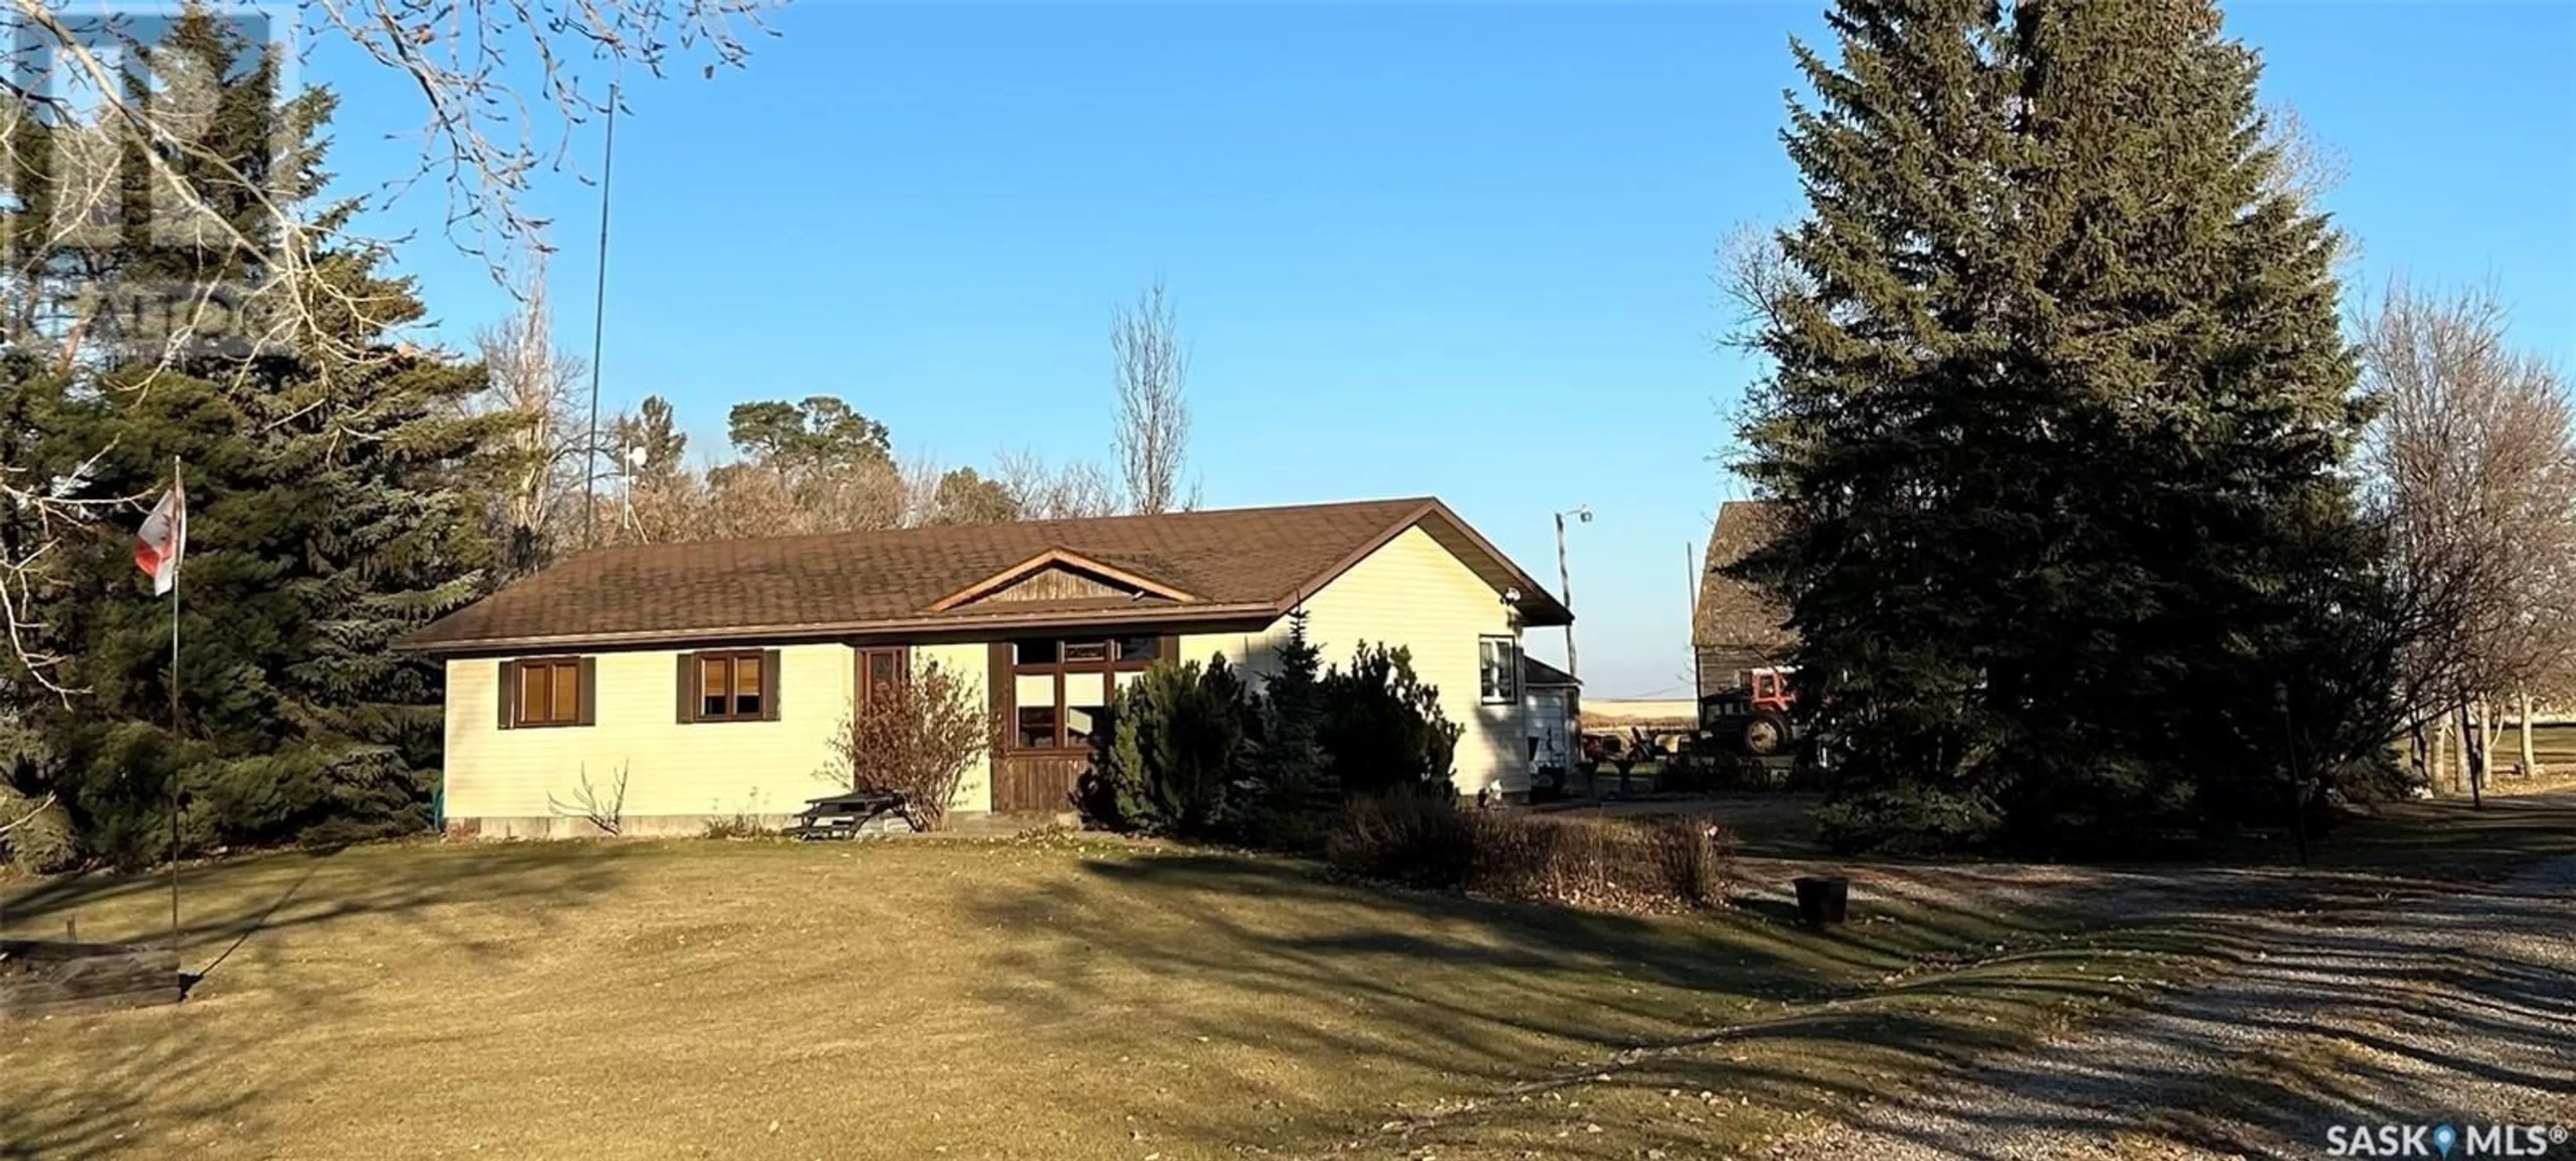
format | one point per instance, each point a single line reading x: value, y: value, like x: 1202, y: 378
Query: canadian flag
x: 163, y: 539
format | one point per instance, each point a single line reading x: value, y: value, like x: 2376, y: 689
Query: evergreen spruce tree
x: 1288, y: 796
x: 323, y: 465
x: 2056, y: 426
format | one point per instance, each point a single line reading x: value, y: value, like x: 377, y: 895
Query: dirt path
x: 2457, y: 1009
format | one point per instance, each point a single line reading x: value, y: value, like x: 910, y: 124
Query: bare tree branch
x: 1043, y: 492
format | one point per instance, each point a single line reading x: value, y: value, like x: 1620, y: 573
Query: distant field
x: 2553, y: 747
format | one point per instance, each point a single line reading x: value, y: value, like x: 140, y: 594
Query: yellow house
x: 710, y: 678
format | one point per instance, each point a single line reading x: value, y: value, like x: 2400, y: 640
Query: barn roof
x: 1731, y: 614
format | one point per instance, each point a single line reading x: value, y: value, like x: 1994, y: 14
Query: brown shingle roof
x: 1241, y: 564
x: 1731, y: 614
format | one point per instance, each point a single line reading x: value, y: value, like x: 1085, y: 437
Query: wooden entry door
x: 881, y: 671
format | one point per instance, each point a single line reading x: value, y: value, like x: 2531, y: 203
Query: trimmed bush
x: 1627, y: 864
x: 1643, y: 864
x: 1413, y: 839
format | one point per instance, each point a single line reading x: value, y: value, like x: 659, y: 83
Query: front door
x: 882, y: 673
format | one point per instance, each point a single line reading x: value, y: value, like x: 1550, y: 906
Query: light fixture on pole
x: 1582, y: 514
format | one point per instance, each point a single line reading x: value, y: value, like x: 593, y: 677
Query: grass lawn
x: 1026, y: 999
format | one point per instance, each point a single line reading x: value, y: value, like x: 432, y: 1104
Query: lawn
x: 1023, y: 999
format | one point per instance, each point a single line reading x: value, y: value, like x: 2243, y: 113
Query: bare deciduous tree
x: 2473, y: 468
x: 1757, y: 281
x: 1045, y: 492
x: 2303, y: 166
x: 543, y: 456
x: 914, y: 737
x: 1152, y: 373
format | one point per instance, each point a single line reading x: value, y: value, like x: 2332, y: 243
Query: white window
x: 1498, y: 670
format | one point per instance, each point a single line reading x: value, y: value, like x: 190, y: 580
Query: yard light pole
x: 1565, y: 581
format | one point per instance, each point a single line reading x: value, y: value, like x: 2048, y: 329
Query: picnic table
x: 842, y: 816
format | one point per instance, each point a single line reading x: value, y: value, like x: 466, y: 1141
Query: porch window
x: 1061, y: 687
x: 1498, y: 665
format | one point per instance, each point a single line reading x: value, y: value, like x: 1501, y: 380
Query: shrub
x: 1179, y: 734
x: 1909, y: 820
x: 914, y: 738
x: 735, y: 826
x: 1381, y: 730
x: 35, y: 833
x: 1192, y: 752
x: 1413, y: 839
x: 1631, y: 864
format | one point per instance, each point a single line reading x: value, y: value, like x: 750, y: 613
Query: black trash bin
x: 1823, y: 899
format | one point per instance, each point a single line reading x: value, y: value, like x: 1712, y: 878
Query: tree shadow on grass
x: 1593, y: 1036
x: 1415, y: 996
x: 95, y: 1084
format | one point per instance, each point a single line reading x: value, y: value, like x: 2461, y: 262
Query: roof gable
x: 1059, y: 574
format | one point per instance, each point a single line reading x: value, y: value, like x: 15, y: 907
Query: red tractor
x: 1754, y: 717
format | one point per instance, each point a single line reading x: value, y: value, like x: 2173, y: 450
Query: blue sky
x: 1458, y: 249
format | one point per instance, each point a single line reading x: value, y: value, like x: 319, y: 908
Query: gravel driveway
x: 2457, y: 1009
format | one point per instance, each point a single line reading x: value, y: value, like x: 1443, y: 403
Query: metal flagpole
x: 178, y: 541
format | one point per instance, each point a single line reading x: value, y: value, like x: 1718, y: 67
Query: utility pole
x: 1690, y: 618
x: 1565, y: 582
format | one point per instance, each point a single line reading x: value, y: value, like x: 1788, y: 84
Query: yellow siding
x: 691, y: 771
x: 1413, y: 593
x: 970, y: 663
x: 525, y: 781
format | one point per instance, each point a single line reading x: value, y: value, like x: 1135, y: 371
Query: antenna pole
x: 598, y: 316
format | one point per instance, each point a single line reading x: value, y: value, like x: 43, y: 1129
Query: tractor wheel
x: 1765, y: 735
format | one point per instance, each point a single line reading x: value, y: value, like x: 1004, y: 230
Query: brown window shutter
x: 509, y: 693
x: 688, y: 688
x: 588, y: 714
x: 769, y: 685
